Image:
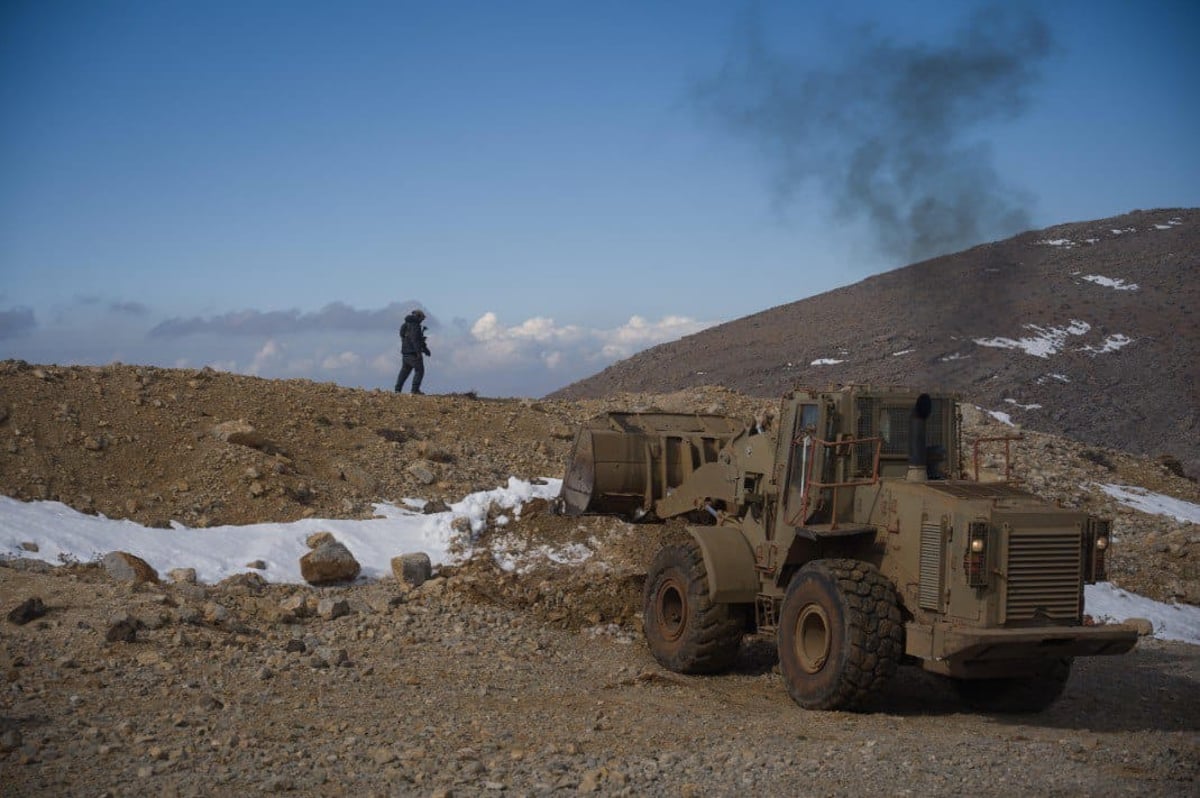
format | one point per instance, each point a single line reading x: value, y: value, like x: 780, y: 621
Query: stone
x: 125, y: 567
x: 185, y: 576
x: 124, y: 631
x: 28, y: 610
x: 245, y: 584
x: 296, y: 605
x: 423, y: 471
x: 383, y: 756
x: 412, y: 569
x: 329, y: 563
x: 10, y: 741
x: 214, y: 613
x: 332, y: 657
x: 258, y: 565
x: 242, y: 433
x: 330, y: 608
x: 29, y: 546
x: 1143, y: 626
x: 435, y: 506
x: 318, y: 539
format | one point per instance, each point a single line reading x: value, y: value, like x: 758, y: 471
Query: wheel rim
x: 671, y: 607
x: 812, y: 638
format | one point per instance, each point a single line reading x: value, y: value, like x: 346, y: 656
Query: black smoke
x: 888, y: 131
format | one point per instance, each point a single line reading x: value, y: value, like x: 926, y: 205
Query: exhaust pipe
x: 918, y: 468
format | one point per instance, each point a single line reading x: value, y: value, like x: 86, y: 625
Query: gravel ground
x: 439, y: 692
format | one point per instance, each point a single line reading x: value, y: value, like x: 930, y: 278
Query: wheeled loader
x: 846, y: 525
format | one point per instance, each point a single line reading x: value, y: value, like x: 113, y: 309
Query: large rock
x: 28, y: 610
x: 413, y: 569
x: 329, y: 563
x: 241, y: 433
x: 125, y: 567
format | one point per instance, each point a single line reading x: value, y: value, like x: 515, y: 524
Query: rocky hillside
x: 1089, y: 330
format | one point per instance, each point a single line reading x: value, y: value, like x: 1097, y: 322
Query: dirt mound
x: 205, y: 447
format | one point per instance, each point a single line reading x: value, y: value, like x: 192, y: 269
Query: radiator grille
x: 930, y: 596
x: 1043, y: 575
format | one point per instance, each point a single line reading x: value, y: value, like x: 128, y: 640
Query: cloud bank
x: 341, y: 344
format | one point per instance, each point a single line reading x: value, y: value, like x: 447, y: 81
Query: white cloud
x: 344, y: 360
x: 270, y: 353
x: 638, y: 334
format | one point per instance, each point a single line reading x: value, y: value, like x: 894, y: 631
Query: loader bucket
x: 623, y: 462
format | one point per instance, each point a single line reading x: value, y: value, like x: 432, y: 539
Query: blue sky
x: 267, y: 187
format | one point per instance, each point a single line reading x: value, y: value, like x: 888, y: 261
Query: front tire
x: 840, y: 634
x: 685, y: 630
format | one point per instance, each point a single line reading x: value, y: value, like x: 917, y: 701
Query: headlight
x: 1102, y: 543
x: 975, y: 558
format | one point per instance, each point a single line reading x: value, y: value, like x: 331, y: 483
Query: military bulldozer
x: 847, y: 527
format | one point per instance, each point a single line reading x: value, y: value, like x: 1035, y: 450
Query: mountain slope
x: 1087, y: 329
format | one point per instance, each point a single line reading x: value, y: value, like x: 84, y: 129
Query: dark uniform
x: 412, y: 347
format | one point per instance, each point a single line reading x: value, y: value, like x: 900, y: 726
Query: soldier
x: 412, y: 349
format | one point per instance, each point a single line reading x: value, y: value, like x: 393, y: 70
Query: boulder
x: 125, y: 567
x: 412, y: 570
x: 28, y: 610
x: 329, y: 563
x: 423, y: 471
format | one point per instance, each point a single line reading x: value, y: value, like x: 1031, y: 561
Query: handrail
x: 1008, y: 439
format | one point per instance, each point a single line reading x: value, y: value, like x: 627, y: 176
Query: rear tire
x: 685, y: 630
x: 840, y: 634
x: 1017, y: 696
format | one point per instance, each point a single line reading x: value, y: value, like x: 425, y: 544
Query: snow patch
x: 903, y: 352
x: 826, y: 361
x: 1111, y: 344
x: 1056, y: 242
x: 1108, y: 603
x: 1111, y: 282
x: 64, y: 535
x: 1023, y: 407
x: 1047, y: 341
x: 1154, y: 503
x: 1003, y: 418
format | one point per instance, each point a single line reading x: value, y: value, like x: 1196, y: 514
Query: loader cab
x: 848, y: 438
